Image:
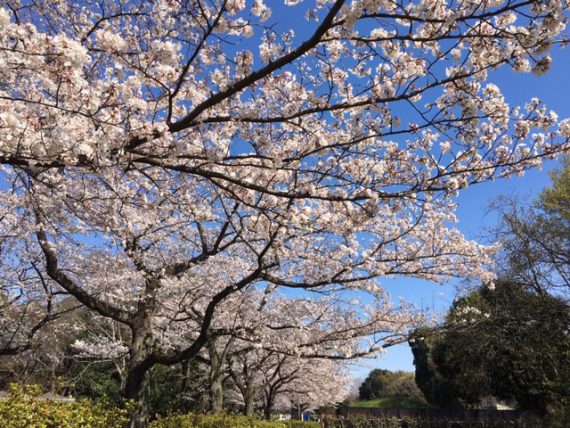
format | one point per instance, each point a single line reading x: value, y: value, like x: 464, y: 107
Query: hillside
x: 395, y: 402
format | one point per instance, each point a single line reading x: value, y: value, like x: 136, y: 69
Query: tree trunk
x: 183, y: 400
x: 249, y: 403
x: 267, y: 411
x: 136, y: 385
x: 216, y: 379
x: 136, y: 389
x: 216, y: 394
x: 268, y: 403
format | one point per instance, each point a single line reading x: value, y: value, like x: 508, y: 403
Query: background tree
x: 252, y: 372
x: 302, y: 384
x: 375, y: 384
x: 536, y: 237
x: 85, y: 357
x: 437, y: 389
x: 385, y: 383
x: 155, y: 163
x: 508, y: 342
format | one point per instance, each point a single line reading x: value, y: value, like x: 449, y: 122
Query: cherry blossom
x: 161, y: 161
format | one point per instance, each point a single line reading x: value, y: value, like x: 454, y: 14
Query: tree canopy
x: 385, y: 383
x: 536, y: 236
x: 508, y: 342
x: 173, y: 165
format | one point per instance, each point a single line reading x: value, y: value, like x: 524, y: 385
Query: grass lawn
x: 395, y: 402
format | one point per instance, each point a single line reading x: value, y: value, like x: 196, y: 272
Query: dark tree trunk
x: 269, y: 398
x: 136, y: 389
x: 249, y: 402
x: 136, y: 386
x: 182, y: 401
x: 267, y: 411
x: 216, y: 378
x: 217, y: 393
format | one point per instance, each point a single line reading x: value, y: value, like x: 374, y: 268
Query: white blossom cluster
x: 162, y: 162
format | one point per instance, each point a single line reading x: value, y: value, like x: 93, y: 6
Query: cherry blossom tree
x: 269, y: 330
x: 28, y: 304
x: 21, y: 318
x: 250, y: 373
x: 266, y: 379
x: 309, y: 385
x: 35, y: 339
x: 160, y: 157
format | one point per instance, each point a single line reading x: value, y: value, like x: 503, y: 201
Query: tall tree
x: 508, y: 342
x: 536, y: 237
x: 160, y: 157
x: 375, y: 385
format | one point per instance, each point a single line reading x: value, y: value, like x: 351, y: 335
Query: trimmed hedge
x: 364, y: 422
x: 300, y: 424
x: 23, y: 409
x: 194, y: 420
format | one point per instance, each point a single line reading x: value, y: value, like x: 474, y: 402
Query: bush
x: 23, y: 409
x: 301, y: 424
x: 363, y: 422
x: 194, y: 420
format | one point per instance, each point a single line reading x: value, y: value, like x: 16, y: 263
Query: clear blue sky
x: 554, y: 90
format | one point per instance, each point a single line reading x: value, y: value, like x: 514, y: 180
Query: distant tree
x: 374, y: 385
x: 536, y: 238
x: 508, y: 342
x: 383, y: 383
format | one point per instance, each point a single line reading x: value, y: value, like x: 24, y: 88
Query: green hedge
x: 22, y: 409
x: 194, y: 420
x: 300, y: 424
x: 362, y: 422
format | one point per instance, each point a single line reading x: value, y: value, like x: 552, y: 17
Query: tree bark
x: 267, y: 411
x: 136, y: 385
x: 136, y: 389
x: 249, y: 401
x: 216, y: 380
x: 269, y: 397
x: 216, y: 394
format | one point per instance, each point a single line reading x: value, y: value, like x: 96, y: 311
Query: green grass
x: 395, y: 402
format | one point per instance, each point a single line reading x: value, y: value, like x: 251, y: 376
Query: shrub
x: 364, y: 422
x: 23, y: 409
x: 301, y: 424
x: 194, y: 420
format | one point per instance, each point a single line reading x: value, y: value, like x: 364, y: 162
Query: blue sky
x: 474, y: 218
x: 553, y: 89
x: 473, y: 215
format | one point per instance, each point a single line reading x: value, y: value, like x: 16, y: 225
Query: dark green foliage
x: 375, y: 385
x: 509, y: 343
x: 385, y: 383
x: 363, y: 422
x: 435, y: 387
x: 194, y: 420
x: 94, y: 380
x: 165, y: 392
x: 178, y: 388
